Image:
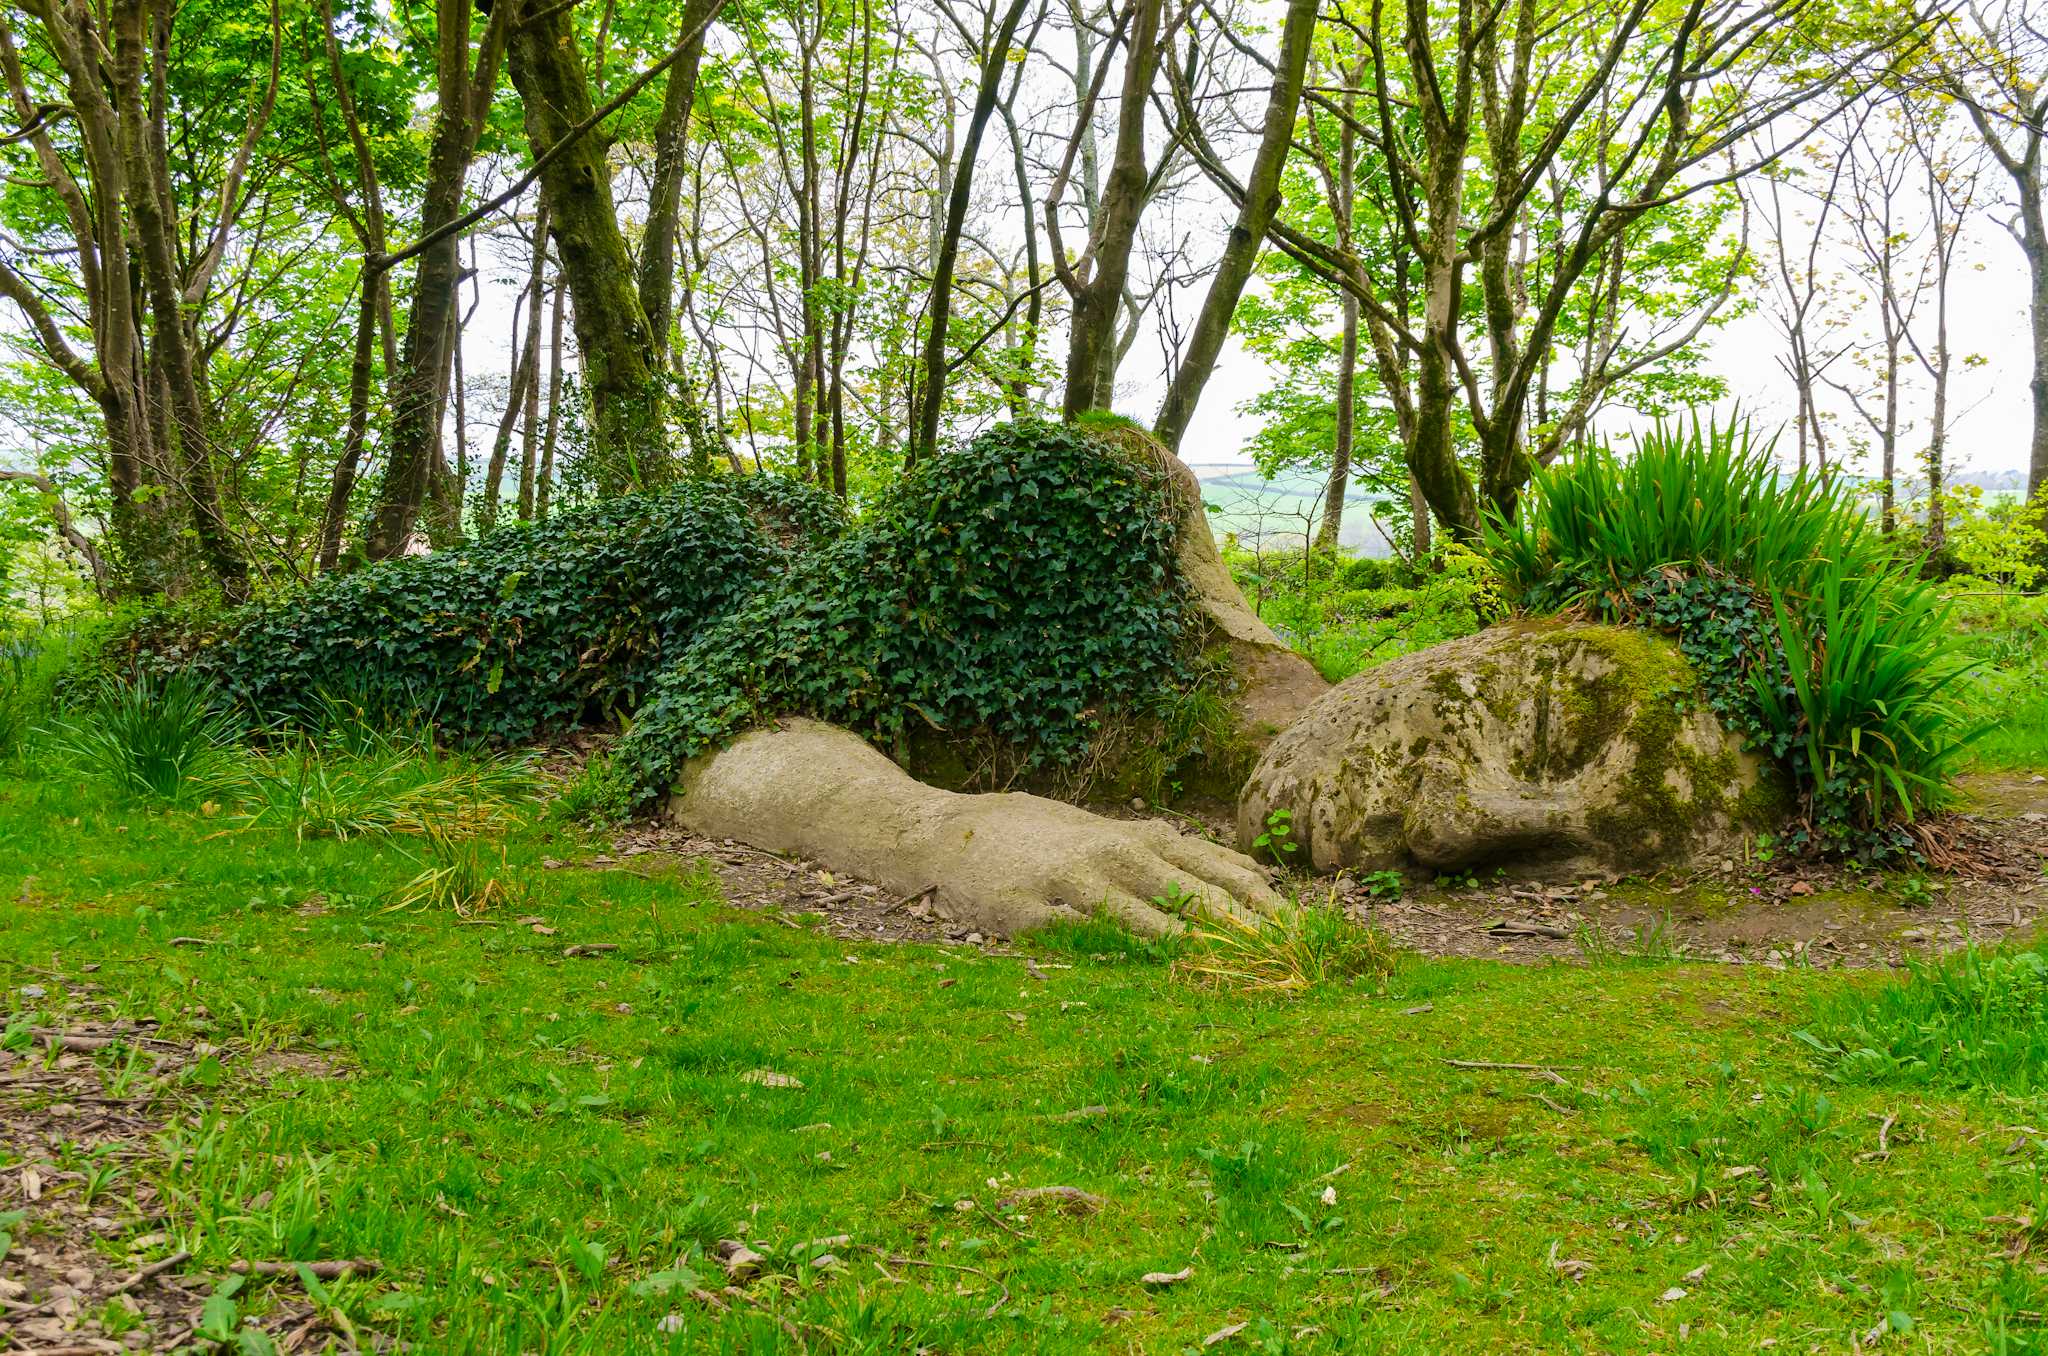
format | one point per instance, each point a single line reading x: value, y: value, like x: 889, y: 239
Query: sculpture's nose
x: 1451, y: 824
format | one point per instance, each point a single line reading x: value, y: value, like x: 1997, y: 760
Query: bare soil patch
x: 1991, y: 886
x: 1769, y: 913
x: 91, y: 1110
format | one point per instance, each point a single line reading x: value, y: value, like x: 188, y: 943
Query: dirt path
x: 1740, y: 913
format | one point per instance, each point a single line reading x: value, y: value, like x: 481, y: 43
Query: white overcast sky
x: 1989, y: 402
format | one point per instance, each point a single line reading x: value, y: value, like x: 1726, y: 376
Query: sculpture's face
x: 1555, y: 746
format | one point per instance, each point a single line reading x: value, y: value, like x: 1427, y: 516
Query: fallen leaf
x: 1071, y: 1199
x: 741, y: 1262
x: 1167, y: 1277
x: 1573, y: 1267
x: 1223, y: 1334
x: 768, y: 1078
x: 1671, y: 1296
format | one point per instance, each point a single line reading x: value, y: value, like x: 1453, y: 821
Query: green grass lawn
x: 544, y: 1150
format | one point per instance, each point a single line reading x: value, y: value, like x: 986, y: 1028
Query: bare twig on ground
x: 332, y: 1270
x: 1540, y: 1070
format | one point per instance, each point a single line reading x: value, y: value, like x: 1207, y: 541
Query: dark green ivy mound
x: 1018, y: 589
x: 526, y: 630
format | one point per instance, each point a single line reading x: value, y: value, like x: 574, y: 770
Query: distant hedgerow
x: 1812, y: 635
x: 1016, y: 588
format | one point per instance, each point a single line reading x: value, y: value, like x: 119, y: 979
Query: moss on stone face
x: 1674, y: 789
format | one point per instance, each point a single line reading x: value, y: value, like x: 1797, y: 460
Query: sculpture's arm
x: 1004, y: 863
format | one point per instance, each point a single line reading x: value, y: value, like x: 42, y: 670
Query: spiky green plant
x: 1813, y: 634
x: 170, y: 740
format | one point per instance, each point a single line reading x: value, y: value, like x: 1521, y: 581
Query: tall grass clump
x: 1813, y: 636
x: 169, y: 740
x: 1299, y: 949
x: 32, y: 662
x: 1975, y: 1018
x: 17, y: 698
x: 424, y: 791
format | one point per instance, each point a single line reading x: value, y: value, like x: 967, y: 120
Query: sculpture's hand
x: 1024, y: 860
x: 1003, y: 863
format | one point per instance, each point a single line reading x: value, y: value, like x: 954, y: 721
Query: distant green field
x: 1288, y: 506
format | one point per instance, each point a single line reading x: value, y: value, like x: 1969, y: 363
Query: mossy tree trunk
x: 463, y: 95
x: 621, y: 364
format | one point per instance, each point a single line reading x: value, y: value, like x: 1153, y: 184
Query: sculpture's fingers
x: 1189, y: 892
x: 1227, y: 870
x: 1137, y: 915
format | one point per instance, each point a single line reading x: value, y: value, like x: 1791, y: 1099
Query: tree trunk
x: 492, y: 492
x: 155, y: 224
x: 629, y: 436
x: 525, y: 378
x: 1347, y: 431
x: 656, y: 272
x: 1247, y: 233
x: 417, y: 386
x: 529, y: 434
x: 1432, y: 454
x: 341, y: 487
x: 932, y: 391
x: 1937, y: 441
x: 2034, y: 242
x: 544, y: 487
x: 1116, y: 224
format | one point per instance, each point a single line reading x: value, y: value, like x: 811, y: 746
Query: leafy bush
x: 1016, y: 589
x: 600, y: 795
x: 1349, y: 615
x: 2003, y: 543
x: 170, y: 740
x: 2007, y: 633
x: 32, y: 663
x: 1972, y: 1019
x: 1812, y: 637
x: 17, y: 693
x: 525, y: 630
